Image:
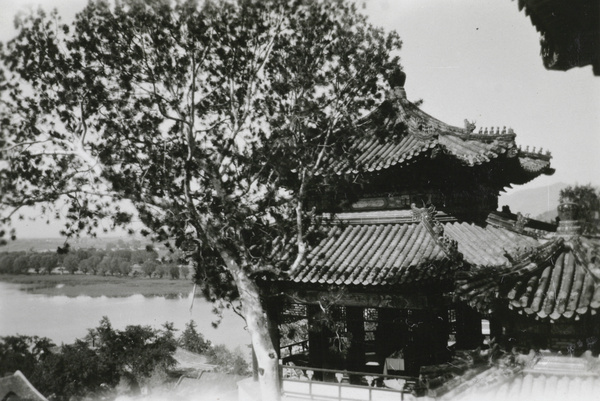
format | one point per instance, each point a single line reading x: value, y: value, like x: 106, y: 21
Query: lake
x: 65, y: 319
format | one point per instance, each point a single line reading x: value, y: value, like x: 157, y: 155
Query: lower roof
x: 391, y: 247
x: 547, y: 276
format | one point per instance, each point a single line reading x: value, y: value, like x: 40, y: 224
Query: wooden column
x: 468, y: 327
x: 496, y: 331
x: 356, y: 327
x: 317, y: 341
x: 391, y: 333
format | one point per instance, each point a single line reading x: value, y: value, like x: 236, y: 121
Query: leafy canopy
x: 214, y: 122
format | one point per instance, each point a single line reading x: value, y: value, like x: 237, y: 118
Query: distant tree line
x: 108, y: 362
x: 120, y: 262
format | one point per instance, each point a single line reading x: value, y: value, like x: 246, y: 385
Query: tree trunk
x: 257, y: 323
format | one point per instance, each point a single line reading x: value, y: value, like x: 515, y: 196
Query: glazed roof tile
x: 565, y: 286
x: 548, y: 377
x: 396, y: 252
x: 557, y: 279
x: 423, y: 133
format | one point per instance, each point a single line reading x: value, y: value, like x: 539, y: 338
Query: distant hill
x: 539, y: 203
x: 549, y: 216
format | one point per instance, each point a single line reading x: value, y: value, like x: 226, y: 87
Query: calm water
x: 64, y: 319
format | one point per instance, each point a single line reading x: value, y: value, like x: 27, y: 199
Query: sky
x: 477, y: 60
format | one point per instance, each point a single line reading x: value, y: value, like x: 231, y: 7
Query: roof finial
x: 397, y: 79
x: 568, y: 219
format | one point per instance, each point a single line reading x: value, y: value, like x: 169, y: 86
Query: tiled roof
x: 17, y: 387
x: 364, y: 251
x: 521, y: 224
x: 560, y: 278
x: 186, y: 360
x: 425, y: 134
x: 565, y: 287
x: 550, y: 378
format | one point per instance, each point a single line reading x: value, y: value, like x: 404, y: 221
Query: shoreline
x: 75, y: 285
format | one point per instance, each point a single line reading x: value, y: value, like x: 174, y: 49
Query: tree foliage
x: 588, y: 199
x: 192, y: 340
x: 216, y: 121
x: 91, y: 368
x: 232, y: 362
x: 135, y: 352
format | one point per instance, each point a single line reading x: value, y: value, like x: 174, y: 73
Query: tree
x: 173, y: 271
x: 588, y: 199
x: 192, y: 340
x: 15, y: 354
x: 20, y: 264
x: 22, y: 353
x: 216, y: 121
x: 71, y: 263
x: 149, y: 267
x: 184, y: 271
x: 231, y: 362
x: 136, y: 352
x: 49, y: 262
x: 73, y: 373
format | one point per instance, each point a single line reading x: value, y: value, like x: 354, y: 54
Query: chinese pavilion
x: 421, y: 265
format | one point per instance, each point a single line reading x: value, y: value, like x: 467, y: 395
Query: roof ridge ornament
x: 426, y: 216
x: 521, y: 222
x: 537, y: 154
x: 470, y: 126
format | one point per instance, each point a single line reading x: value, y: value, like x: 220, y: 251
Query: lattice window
x: 293, y: 309
x: 371, y: 317
x: 451, y: 326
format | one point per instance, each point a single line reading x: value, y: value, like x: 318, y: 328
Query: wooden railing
x: 341, y: 385
x: 300, y: 347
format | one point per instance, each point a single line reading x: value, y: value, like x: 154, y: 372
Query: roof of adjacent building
x: 546, y: 377
x: 16, y: 386
x: 570, y: 32
x: 560, y: 278
x: 187, y: 360
x: 425, y: 136
x: 391, y: 247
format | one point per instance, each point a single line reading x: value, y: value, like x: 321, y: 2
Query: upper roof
x: 422, y: 135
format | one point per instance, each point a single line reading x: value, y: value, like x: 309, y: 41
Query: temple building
x: 420, y: 268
